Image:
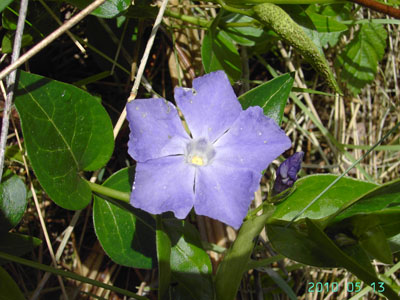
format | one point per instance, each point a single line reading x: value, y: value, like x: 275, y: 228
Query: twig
x: 380, y: 7
x: 142, y: 65
x: 11, y: 82
x: 53, y: 15
x: 49, y: 39
x: 147, y: 50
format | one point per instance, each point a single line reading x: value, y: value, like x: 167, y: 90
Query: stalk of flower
x: 217, y: 168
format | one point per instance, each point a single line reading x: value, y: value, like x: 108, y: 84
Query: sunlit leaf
x: 357, y: 63
x: 108, y: 9
x: 271, y: 96
x: 218, y: 52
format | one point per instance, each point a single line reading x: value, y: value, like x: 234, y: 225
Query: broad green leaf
x: 374, y: 241
x: 352, y: 264
x: 271, y: 96
x: 8, y: 287
x: 4, y: 4
x: 124, y: 236
x: 357, y: 63
x: 307, y: 188
x: 108, y: 9
x: 329, y: 29
x: 17, y: 244
x: 295, y: 244
x: 218, y: 52
x: 234, y: 264
x: 190, y: 264
x: 383, y: 197
x: 12, y: 202
x: 243, y: 35
x: 66, y: 131
x: 163, y: 244
x: 325, y: 23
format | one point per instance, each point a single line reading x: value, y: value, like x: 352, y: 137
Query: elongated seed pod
x: 279, y: 21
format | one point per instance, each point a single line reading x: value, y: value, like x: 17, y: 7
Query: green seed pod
x: 279, y: 21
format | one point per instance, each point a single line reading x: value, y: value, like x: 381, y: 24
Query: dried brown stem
x: 380, y: 7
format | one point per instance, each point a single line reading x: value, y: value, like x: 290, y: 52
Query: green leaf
x: 218, y: 52
x: 8, y: 41
x: 17, y: 244
x: 394, y: 243
x: 329, y: 29
x: 307, y: 188
x: 324, y: 23
x: 9, y: 20
x: 66, y: 131
x: 4, y: 4
x: 12, y: 202
x: 9, y: 289
x: 234, y: 264
x: 285, y: 287
x: 108, y: 9
x: 357, y: 64
x: 350, y: 263
x: 163, y: 243
x: 374, y: 241
x: 124, y: 237
x: 271, y: 96
x: 243, y: 35
x: 190, y: 264
x: 14, y: 154
x: 295, y: 244
x: 373, y: 201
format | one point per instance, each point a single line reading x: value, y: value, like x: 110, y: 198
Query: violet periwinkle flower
x: 217, y: 168
x: 286, y: 175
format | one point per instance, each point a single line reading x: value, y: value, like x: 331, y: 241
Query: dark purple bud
x: 286, y: 175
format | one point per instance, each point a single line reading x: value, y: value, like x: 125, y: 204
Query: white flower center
x: 199, y: 152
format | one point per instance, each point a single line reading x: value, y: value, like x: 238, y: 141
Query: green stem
x: 241, y: 10
x: 106, y: 191
x: 189, y: 19
x: 68, y: 274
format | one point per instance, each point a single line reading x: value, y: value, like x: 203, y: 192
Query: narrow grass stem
x: 68, y: 274
x: 189, y: 19
x: 49, y: 39
x: 344, y: 173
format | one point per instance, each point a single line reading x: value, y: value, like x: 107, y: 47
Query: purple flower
x: 286, y: 175
x: 217, y: 168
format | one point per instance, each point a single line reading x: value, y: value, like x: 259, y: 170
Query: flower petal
x: 164, y: 184
x: 224, y: 192
x: 286, y: 175
x: 253, y: 141
x: 156, y: 129
x: 210, y: 107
